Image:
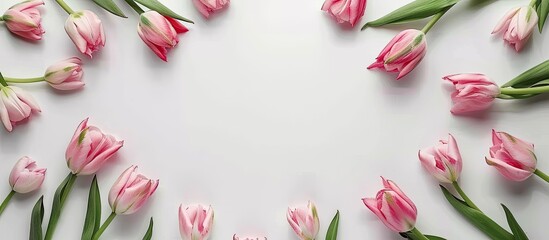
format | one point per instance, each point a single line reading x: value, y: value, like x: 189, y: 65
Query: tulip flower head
x: 26, y: 176
x: 16, y: 105
x: 403, y: 53
x: 393, y: 207
x: 24, y: 20
x: 159, y: 32
x: 443, y: 160
x: 131, y: 191
x: 65, y: 75
x: 512, y: 157
x: 304, y: 221
x: 195, y: 222
x: 345, y: 10
x: 474, y: 92
x: 206, y: 7
x: 517, y: 26
x: 86, y: 31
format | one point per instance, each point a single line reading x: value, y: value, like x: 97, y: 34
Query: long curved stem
x: 24, y: 80
x: 134, y: 6
x: 418, y: 234
x: 433, y: 21
x: 6, y: 201
x: 524, y: 91
x: 464, y: 196
x: 104, y: 226
x: 65, y: 7
x: 538, y: 173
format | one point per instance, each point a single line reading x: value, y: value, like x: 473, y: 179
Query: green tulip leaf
x: 332, y: 229
x: 530, y: 77
x: 159, y: 7
x: 149, y: 233
x: 110, y: 6
x: 431, y: 237
x: 59, y: 198
x: 513, y: 224
x: 93, y: 214
x: 543, y: 11
x: 37, y: 216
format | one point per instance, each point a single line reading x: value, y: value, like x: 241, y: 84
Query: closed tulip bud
x: 131, y: 191
x: 403, y: 53
x: 248, y: 238
x: 304, y: 221
x: 443, y: 160
x: 512, y: 157
x: 65, y: 75
x: 517, y: 26
x: 474, y: 92
x: 345, y: 10
x: 195, y: 222
x: 86, y: 31
x: 159, y: 32
x: 206, y: 7
x: 24, y: 20
x: 90, y: 149
x: 26, y: 176
x: 16, y: 105
x: 393, y: 207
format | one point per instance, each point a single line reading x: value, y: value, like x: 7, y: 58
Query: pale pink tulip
x: 345, y: 10
x: 443, y: 160
x: 474, y: 92
x: 65, y: 75
x: 195, y: 222
x: 512, y: 157
x: 206, y: 7
x: 86, y: 31
x: 304, y: 221
x: 90, y: 149
x: 393, y: 207
x: 131, y: 191
x: 159, y: 32
x: 248, y: 238
x: 26, y: 176
x: 403, y: 53
x: 24, y: 20
x: 16, y: 105
x: 517, y: 26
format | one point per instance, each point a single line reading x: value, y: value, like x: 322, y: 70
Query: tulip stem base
x: 522, y: 91
x: 65, y: 7
x: 6, y: 201
x: 539, y: 173
x: 418, y: 234
x: 24, y: 80
x: 464, y: 196
x: 433, y: 21
x: 135, y: 7
x: 104, y: 226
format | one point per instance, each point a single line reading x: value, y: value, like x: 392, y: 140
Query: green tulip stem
x: 533, y: 4
x: 57, y: 207
x: 524, y: 91
x: 134, y: 6
x: 104, y: 226
x: 65, y: 7
x: 24, y: 80
x: 1, y: 18
x: 418, y: 234
x: 464, y: 196
x: 539, y: 173
x: 6, y: 201
x: 433, y: 21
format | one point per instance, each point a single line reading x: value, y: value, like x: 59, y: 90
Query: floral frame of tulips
x: 159, y: 27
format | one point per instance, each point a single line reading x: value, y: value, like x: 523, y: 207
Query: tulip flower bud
x: 443, y: 160
x: 90, y: 149
x: 403, y: 53
x: 195, y: 222
x: 16, y: 105
x: 86, y: 31
x: 131, y: 191
x: 393, y: 207
x: 474, y: 92
x: 26, y: 176
x: 206, y: 7
x: 304, y: 221
x: 512, y: 157
x: 65, y: 75
x: 24, y: 20
x: 345, y: 10
x: 159, y: 32
x: 517, y: 26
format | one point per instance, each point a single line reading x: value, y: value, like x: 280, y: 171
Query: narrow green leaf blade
x: 513, y: 224
x: 543, y: 11
x: 159, y: 7
x: 93, y: 214
x: 477, y: 218
x: 149, y: 233
x: 61, y: 194
x: 432, y: 237
x: 530, y: 77
x: 37, y: 216
x: 110, y: 6
x: 332, y: 230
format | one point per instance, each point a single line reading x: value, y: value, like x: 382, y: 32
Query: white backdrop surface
x: 269, y: 104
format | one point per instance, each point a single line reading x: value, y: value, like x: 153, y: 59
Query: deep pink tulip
x: 86, y: 31
x: 248, y: 238
x: 206, y: 7
x: 195, y: 222
x: 24, y: 20
x: 517, y: 26
x: 512, y: 157
x: 393, y: 207
x: 443, y: 160
x: 16, y: 105
x: 131, y: 191
x: 403, y: 53
x: 26, y: 176
x: 90, y: 149
x: 65, y: 75
x: 345, y: 10
x: 159, y: 32
x: 304, y: 221
x: 474, y: 92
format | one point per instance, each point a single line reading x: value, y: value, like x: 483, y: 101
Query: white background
x: 268, y: 105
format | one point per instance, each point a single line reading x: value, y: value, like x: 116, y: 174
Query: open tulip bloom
x: 24, y: 20
x: 304, y: 221
x: 518, y: 25
x: 349, y: 11
x: 25, y: 177
x: 16, y: 105
x: 195, y: 222
x: 206, y: 7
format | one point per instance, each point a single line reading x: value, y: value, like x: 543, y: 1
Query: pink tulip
x: 206, y: 7
x: 24, y: 20
x: 304, y: 221
x: 16, y: 105
x: 403, y: 53
x: 443, y: 160
x: 517, y: 26
x: 195, y: 222
x: 26, y: 176
x: 159, y: 32
x: 86, y: 31
x: 248, y: 238
x: 345, y: 10
x: 131, y: 191
x: 474, y: 92
x: 393, y: 207
x: 90, y: 149
x: 512, y: 157
x: 65, y: 75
